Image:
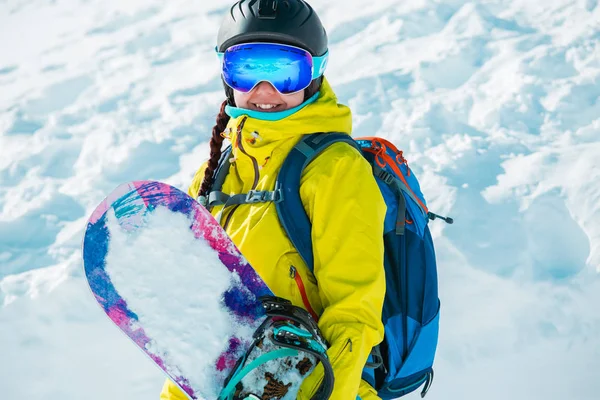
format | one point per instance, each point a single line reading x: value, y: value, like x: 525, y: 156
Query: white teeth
x: 266, y: 106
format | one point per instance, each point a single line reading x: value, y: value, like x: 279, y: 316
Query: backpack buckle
x: 386, y: 177
x: 263, y: 196
x: 256, y: 196
x: 377, y: 360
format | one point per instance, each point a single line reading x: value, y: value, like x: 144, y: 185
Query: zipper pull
x: 226, y: 133
x: 292, y: 272
x: 265, y: 163
x: 433, y: 216
x: 254, y: 137
x: 428, y: 383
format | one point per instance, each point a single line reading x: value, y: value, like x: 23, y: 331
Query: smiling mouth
x: 267, y: 107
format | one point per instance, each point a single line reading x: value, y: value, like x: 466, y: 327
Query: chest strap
x: 252, y: 197
x: 218, y: 198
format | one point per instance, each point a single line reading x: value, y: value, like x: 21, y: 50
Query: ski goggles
x: 288, y: 68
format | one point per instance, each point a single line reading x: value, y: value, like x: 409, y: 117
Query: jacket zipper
x: 229, y: 217
x: 405, y: 310
x: 254, y: 165
x: 338, y: 355
x: 296, y: 276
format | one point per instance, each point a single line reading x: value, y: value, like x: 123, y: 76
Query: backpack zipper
x: 300, y: 284
x: 398, y: 172
x: 405, y: 311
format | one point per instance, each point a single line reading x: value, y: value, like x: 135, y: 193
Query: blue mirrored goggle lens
x: 289, y: 69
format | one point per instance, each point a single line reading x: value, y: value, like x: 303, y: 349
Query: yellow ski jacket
x: 346, y: 209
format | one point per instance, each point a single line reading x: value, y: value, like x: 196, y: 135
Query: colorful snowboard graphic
x: 194, y: 320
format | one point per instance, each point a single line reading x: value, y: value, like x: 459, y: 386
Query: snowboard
x: 168, y: 276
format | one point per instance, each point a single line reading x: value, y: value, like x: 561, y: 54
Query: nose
x: 265, y: 88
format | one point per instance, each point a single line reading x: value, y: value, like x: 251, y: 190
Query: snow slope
x: 496, y: 104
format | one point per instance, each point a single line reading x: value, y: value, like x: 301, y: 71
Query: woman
x: 273, y: 99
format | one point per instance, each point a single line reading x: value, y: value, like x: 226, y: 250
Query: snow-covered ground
x: 496, y: 104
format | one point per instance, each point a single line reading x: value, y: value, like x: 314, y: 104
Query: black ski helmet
x: 292, y: 22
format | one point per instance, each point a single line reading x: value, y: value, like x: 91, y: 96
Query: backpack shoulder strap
x: 290, y: 210
x: 219, y: 176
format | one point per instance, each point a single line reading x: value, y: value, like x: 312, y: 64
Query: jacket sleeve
x: 347, y: 210
x: 171, y: 391
x: 197, y: 181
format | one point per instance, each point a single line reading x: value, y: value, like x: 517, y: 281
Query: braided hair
x: 216, y: 141
x: 216, y: 144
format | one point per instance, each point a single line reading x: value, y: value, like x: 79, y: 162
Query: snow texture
x: 157, y: 270
x: 496, y: 104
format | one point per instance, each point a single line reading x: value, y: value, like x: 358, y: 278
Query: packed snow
x: 496, y: 104
x: 156, y: 271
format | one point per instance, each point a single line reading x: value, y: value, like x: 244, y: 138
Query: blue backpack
x: 403, y: 361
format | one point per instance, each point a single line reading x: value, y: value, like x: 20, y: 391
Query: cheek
x: 241, y: 99
x: 295, y: 99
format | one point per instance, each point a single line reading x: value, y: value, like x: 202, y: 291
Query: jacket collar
x: 236, y: 112
x: 324, y: 114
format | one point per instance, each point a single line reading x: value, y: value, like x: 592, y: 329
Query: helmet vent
x: 252, y: 2
x: 231, y: 12
x: 267, y: 9
x: 292, y: 22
